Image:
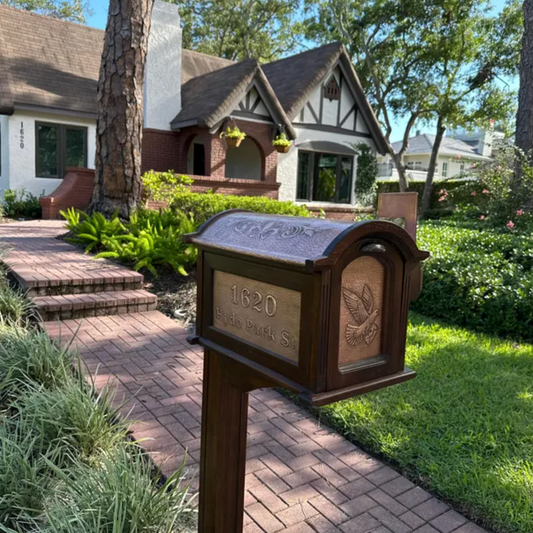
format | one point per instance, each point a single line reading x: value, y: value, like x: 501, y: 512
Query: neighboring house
x: 455, y: 157
x: 48, y: 82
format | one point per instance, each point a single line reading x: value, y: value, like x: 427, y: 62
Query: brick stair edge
x: 72, y: 306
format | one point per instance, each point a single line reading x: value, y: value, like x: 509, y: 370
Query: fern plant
x: 154, y: 238
x: 93, y: 231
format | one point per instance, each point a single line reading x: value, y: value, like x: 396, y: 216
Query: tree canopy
x: 240, y: 29
x: 73, y: 10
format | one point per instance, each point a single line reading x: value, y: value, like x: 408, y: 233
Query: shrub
x: 119, y: 495
x: 478, y: 278
x: 367, y: 173
x: 164, y: 186
x: 455, y: 192
x: 202, y: 206
x: 21, y: 204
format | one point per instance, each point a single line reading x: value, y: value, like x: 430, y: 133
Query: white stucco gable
x: 253, y: 106
x: 339, y: 111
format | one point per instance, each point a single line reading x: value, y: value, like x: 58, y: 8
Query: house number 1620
x: 257, y: 300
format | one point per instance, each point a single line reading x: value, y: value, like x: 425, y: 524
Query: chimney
x: 418, y: 132
x: 162, y: 75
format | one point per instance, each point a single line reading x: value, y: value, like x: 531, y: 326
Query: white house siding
x: 4, y: 153
x: 21, y: 172
x: 287, y: 173
x: 341, y: 114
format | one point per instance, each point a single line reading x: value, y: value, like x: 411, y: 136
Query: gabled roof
x: 47, y: 62
x: 295, y: 78
x: 423, y: 144
x: 208, y: 99
x: 51, y: 63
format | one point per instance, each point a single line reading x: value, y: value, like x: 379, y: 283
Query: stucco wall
x: 22, y: 150
x: 4, y: 153
x: 288, y: 163
x: 162, y: 77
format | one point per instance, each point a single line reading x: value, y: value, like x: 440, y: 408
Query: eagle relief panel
x: 260, y: 313
x: 361, y: 310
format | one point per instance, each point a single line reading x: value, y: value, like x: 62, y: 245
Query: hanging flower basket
x: 233, y: 142
x: 234, y: 136
x: 282, y: 149
x: 282, y: 144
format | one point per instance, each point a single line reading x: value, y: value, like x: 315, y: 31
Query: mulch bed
x: 176, y: 295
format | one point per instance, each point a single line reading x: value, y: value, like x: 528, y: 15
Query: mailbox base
x: 223, y: 449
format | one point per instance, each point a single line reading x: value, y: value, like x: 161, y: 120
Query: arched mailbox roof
x: 311, y: 242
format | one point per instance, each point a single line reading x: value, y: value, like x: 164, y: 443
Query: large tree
x: 466, y: 69
x: 383, y: 38
x: 73, y: 10
x: 524, y: 116
x: 240, y: 29
x: 119, y: 122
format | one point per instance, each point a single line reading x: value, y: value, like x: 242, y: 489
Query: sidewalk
x: 301, y: 477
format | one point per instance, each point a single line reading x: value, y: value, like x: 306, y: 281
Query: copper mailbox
x: 318, y: 306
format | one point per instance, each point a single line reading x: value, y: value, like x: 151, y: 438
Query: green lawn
x: 463, y: 428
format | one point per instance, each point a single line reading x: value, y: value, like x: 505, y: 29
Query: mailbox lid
x: 286, y: 239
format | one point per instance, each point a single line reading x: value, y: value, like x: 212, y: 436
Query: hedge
x: 478, y: 278
x: 460, y: 191
x: 202, y: 206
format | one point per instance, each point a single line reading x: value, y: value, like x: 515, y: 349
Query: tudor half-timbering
x: 330, y: 115
x: 48, y: 110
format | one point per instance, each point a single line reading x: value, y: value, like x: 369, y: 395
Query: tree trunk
x: 402, y: 174
x: 524, y: 116
x: 428, y: 187
x: 117, y: 183
x: 398, y: 158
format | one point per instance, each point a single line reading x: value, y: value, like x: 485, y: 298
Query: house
x: 48, y: 81
x: 455, y: 156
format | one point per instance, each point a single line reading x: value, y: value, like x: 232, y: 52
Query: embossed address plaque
x: 260, y: 313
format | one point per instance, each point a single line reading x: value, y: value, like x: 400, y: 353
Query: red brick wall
x: 74, y: 191
x: 160, y: 150
x: 165, y: 150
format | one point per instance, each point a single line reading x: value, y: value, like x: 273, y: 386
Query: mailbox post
x: 319, y: 307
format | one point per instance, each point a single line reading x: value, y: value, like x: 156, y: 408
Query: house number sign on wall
x: 260, y: 313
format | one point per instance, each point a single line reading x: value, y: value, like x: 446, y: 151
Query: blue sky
x: 99, y: 17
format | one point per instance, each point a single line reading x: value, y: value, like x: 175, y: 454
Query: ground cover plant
x: 66, y: 464
x: 462, y: 428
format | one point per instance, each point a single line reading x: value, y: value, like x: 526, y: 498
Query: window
x: 462, y: 168
x: 58, y: 146
x: 444, y: 169
x: 324, y: 177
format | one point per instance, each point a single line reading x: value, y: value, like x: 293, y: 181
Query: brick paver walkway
x: 301, y: 477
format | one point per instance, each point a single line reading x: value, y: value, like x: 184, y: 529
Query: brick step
x: 70, y: 306
x: 66, y: 281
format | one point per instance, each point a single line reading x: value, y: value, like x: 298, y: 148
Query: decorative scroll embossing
x: 364, y: 316
x: 251, y: 227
